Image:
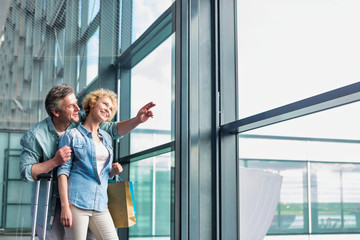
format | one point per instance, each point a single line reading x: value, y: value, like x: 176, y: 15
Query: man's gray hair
x: 55, y: 94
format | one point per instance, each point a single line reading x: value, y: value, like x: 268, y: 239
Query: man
x: 40, y: 153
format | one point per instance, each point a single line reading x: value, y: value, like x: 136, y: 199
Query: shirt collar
x: 51, y: 126
x: 85, y: 132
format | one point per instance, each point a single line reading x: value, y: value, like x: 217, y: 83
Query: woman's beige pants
x: 100, y: 224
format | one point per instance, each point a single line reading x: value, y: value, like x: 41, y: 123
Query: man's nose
x: 77, y: 107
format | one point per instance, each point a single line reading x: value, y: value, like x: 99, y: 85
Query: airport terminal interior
x: 266, y: 85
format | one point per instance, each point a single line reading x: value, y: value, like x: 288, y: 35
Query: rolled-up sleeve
x: 66, y: 167
x: 30, y: 155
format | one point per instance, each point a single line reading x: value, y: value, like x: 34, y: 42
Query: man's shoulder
x: 37, y: 135
x: 39, y: 128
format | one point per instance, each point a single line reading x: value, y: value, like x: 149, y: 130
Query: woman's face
x: 102, y: 110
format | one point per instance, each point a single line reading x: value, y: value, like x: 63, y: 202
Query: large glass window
x: 151, y: 80
x: 147, y: 75
x: 152, y: 184
x: 16, y: 203
x: 145, y: 12
x: 92, y: 58
x: 317, y: 155
x: 290, y: 50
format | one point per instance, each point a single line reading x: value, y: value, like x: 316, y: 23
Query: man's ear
x: 55, y: 112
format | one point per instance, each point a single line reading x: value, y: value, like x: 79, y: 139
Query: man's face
x: 69, y: 109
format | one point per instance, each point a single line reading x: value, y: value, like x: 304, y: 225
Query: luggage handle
x: 44, y: 176
x: 48, y: 177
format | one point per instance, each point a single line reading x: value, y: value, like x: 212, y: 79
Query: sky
x: 291, y: 49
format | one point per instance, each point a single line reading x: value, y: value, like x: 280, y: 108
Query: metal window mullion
x: 153, y: 210
x: 308, y: 165
x: 321, y: 102
x: 229, y: 152
x: 181, y: 211
x: 125, y: 88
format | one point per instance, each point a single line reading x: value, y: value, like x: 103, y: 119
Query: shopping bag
x: 121, y: 204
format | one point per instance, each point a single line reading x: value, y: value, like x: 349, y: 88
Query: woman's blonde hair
x: 91, y: 99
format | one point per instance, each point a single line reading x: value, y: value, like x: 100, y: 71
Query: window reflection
x: 152, y: 189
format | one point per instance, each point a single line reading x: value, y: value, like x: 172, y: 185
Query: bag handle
x: 118, y: 179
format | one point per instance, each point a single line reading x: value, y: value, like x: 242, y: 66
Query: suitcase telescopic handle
x: 46, y: 176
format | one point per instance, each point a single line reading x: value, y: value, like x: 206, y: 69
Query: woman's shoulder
x: 72, y: 132
x: 105, y: 134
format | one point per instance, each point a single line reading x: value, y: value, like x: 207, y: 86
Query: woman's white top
x: 102, y: 155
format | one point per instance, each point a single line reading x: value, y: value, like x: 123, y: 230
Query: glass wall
x: 295, y: 61
x: 290, y: 50
x: 153, y: 185
x: 318, y: 158
x: 147, y: 75
x: 151, y: 81
x: 16, y: 203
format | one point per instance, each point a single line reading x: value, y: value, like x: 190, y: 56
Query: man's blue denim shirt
x: 40, y: 144
x: 87, y: 189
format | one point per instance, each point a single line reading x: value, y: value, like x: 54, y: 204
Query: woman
x: 83, y: 180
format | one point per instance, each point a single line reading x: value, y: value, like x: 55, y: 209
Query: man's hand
x: 144, y: 113
x: 63, y: 155
x: 66, y: 217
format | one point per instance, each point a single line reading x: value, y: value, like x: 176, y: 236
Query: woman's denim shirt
x: 87, y: 190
